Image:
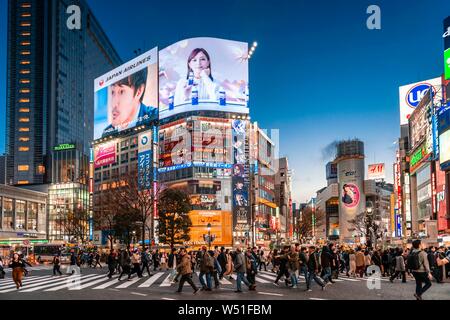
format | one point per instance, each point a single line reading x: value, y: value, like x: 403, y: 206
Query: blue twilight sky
x: 318, y: 74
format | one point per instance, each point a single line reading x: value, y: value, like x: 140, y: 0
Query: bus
x: 45, y: 252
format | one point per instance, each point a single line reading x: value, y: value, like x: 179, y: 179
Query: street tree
x: 174, y: 222
x: 73, y: 223
x: 310, y: 221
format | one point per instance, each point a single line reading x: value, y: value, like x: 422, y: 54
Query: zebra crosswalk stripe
x: 7, y: 280
x: 150, y: 281
x: 53, y: 283
x: 89, y: 284
x: 11, y: 284
x: 166, y: 282
x: 74, y: 284
x: 225, y: 281
x: 261, y: 280
x: 128, y: 283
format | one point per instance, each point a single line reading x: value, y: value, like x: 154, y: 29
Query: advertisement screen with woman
x: 203, y: 74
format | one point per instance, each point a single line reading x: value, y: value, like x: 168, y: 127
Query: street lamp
x: 208, y: 227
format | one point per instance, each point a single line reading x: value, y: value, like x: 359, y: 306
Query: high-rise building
x: 51, y: 72
x: 283, y: 197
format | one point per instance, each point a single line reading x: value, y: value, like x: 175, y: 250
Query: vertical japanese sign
x: 145, y: 160
x: 240, y: 178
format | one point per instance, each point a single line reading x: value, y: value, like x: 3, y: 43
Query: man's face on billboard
x: 239, y: 185
x: 125, y: 103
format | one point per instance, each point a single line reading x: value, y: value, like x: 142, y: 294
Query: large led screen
x: 127, y: 96
x: 203, y: 74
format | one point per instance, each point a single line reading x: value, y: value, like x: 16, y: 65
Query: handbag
x: 441, y: 262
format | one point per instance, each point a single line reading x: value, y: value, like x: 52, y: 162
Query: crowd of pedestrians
x: 321, y: 264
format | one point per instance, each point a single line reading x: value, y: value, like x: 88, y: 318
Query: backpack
x: 209, y: 261
x: 413, y: 261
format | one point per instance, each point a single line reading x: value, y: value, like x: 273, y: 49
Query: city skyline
x: 310, y: 68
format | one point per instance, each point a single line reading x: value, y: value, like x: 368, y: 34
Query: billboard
x: 221, y: 227
x: 240, y: 178
x: 127, y: 96
x: 446, y: 34
x: 145, y: 159
x: 447, y: 64
x: 105, y: 154
x: 376, y: 171
x: 352, y: 199
x: 411, y: 94
x: 444, y: 148
x: 203, y: 74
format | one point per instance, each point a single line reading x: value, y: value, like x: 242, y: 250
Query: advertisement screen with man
x: 127, y: 96
x: 203, y: 74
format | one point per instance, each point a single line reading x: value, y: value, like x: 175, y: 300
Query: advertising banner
x: 203, y: 74
x: 447, y: 64
x: 240, y: 179
x: 105, y: 154
x: 441, y: 198
x: 127, y: 96
x: 446, y: 34
x: 411, y: 94
x: 145, y: 160
x: 444, y: 149
x: 221, y: 227
x: 352, y: 200
x: 376, y: 171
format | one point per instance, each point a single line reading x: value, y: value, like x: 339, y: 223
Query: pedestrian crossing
x: 95, y: 281
x: 35, y: 268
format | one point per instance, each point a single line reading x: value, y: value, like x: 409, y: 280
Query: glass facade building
x: 51, y: 72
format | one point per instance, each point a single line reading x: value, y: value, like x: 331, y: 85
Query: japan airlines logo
x: 101, y: 83
x: 446, y: 33
x: 416, y: 93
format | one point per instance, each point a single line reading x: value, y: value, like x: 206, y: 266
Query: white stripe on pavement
x: 3, y: 281
x: 89, y: 284
x: 13, y: 285
x: 75, y: 284
x: 316, y: 299
x: 167, y: 299
x: 107, y: 284
x: 166, y: 282
x: 52, y: 283
x: 128, y: 283
x: 150, y: 281
x: 270, y: 294
x: 138, y: 294
x: 268, y: 277
x: 225, y: 281
x: 261, y: 280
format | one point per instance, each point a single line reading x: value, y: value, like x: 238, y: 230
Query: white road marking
x: 261, y: 280
x: 166, y: 282
x: 316, y: 299
x: 128, y: 283
x: 53, y: 283
x: 87, y: 285
x: 138, y: 294
x: 75, y: 285
x: 33, y: 284
x: 152, y: 279
x: 167, y: 299
x: 271, y: 294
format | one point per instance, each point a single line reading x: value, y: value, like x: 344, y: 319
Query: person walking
x: 326, y: 259
x: 399, y: 267
x: 352, y: 263
x: 303, y: 261
x: 293, y: 266
x: 2, y: 271
x: 111, y: 261
x: 313, y: 269
x: 367, y: 261
x: 73, y: 263
x: 251, y: 268
x: 56, y: 265
x: 136, y: 261
x: 163, y: 261
x: 222, y: 259
x: 17, y: 266
x: 125, y: 262
x: 185, y: 269
x: 360, y: 262
x: 418, y: 263
x: 206, y: 268
x: 217, y: 270
x: 283, y: 264
x: 155, y: 257
x: 263, y: 260
x: 229, y: 265
x: 97, y: 260
x: 240, y: 268
x: 145, y: 259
